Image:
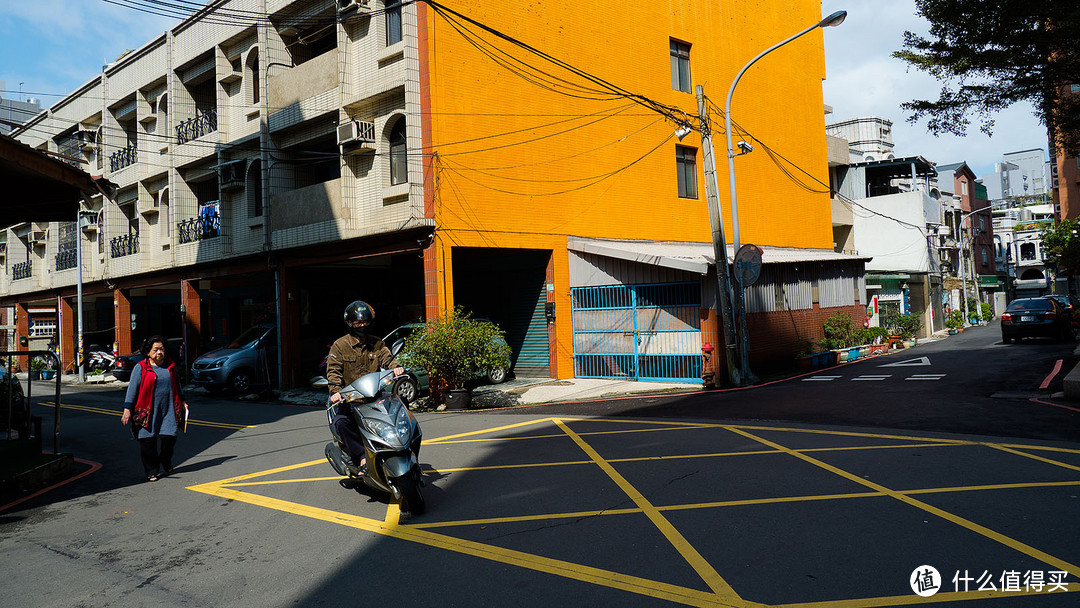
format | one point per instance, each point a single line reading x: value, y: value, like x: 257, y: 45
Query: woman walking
x: 155, y: 407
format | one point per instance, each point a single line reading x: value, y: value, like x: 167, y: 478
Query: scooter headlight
x: 386, y: 431
x: 403, y: 423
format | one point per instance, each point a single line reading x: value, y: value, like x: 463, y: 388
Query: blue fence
x: 644, y: 332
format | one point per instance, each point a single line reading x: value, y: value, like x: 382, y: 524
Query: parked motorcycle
x: 391, y: 436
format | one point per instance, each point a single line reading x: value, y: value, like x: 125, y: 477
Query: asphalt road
x: 810, y: 492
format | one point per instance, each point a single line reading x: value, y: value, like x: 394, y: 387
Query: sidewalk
x: 529, y: 391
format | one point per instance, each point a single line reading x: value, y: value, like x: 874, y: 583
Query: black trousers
x: 152, y: 458
x: 347, y: 431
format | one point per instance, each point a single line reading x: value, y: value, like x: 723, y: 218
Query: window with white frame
x: 680, y: 66
x: 399, y: 154
x: 686, y: 167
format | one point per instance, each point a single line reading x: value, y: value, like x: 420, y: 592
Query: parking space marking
x: 723, y: 594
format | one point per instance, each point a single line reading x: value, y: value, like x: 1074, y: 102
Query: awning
x: 40, y: 188
x: 695, y: 257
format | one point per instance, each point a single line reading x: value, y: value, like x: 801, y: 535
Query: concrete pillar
x: 289, y: 327
x: 65, y: 327
x: 192, y: 307
x: 712, y: 334
x: 22, y: 330
x: 122, y: 322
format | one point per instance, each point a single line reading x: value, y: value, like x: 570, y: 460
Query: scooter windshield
x: 367, y: 385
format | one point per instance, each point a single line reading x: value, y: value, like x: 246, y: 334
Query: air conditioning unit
x: 231, y: 175
x: 357, y: 134
x: 88, y: 140
x: 362, y: 7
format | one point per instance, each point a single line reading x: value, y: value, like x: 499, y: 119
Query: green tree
x: 1061, y: 246
x: 991, y: 54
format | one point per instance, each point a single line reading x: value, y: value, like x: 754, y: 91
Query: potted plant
x: 455, y: 348
x: 954, y: 321
x: 804, y: 354
x: 36, y: 367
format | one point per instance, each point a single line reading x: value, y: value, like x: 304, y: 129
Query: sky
x: 54, y: 46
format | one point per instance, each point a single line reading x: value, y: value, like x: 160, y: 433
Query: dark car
x: 18, y: 402
x: 1036, y: 317
x: 124, y: 364
x: 1072, y: 307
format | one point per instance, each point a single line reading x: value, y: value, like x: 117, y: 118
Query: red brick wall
x: 122, y: 321
x: 774, y: 336
x: 189, y: 297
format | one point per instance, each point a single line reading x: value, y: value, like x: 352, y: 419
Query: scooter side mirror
x: 396, y: 347
x: 319, y: 382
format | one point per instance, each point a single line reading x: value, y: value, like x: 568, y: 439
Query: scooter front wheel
x: 412, y: 501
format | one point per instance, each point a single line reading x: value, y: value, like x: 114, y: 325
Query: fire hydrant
x: 707, y: 373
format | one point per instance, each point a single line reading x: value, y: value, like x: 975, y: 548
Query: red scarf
x: 144, y: 401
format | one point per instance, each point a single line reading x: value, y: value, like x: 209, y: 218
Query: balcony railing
x: 123, y: 158
x: 22, y: 270
x: 205, y: 226
x: 65, y: 260
x: 124, y: 245
x: 194, y: 128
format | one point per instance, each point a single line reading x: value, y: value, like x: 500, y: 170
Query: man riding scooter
x: 351, y: 356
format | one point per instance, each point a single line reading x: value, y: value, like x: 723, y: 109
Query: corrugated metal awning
x: 696, y: 257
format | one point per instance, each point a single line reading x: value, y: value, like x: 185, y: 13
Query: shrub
x: 839, y: 330
x: 986, y: 311
x: 455, y: 348
x: 905, y: 326
x: 955, y: 319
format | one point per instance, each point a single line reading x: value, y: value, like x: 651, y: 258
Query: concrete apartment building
x: 276, y: 159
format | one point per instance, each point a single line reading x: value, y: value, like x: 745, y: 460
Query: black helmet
x: 359, y: 311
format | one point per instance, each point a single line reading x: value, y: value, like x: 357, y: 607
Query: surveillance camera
x: 745, y: 147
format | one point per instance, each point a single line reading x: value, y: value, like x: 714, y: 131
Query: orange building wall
x: 517, y: 165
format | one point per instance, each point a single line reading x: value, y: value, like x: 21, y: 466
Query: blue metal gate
x: 645, y: 332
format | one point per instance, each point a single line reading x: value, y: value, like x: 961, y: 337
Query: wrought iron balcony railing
x: 65, y: 259
x: 124, y: 245
x: 194, y: 128
x: 22, y: 270
x: 205, y: 226
x: 123, y: 158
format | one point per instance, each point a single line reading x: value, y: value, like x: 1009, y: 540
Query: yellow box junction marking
x: 722, y: 594
x: 118, y: 413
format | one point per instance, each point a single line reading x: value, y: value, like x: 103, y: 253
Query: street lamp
x: 740, y: 309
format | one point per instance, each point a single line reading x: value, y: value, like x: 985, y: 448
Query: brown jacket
x: 351, y: 358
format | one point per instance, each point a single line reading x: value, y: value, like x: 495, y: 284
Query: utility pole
x: 723, y: 279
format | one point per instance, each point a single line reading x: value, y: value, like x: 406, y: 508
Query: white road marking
x: 909, y: 363
x: 872, y: 377
x: 820, y: 378
x: 926, y: 377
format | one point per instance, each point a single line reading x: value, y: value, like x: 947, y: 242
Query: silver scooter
x: 391, y: 437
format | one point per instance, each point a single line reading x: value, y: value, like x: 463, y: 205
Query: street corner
x: 709, y: 514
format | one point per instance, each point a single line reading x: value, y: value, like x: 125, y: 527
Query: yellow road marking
x: 960, y: 521
x: 633, y: 584
x: 908, y: 600
x: 484, y: 431
x: 109, y: 412
x: 704, y: 569
x: 562, y: 436
x: 417, y: 532
x: 1034, y: 457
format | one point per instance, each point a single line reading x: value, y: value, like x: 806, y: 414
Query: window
x: 680, y: 66
x: 686, y: 165
x: 253, y: 67
x: 253, y: 189
x: 985, y: 257
x: 393, y: 22
x: 963, y: 188
x: 1027, y: 251
x: 399, y: 155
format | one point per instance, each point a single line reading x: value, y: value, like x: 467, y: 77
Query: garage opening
x: 509, y: 287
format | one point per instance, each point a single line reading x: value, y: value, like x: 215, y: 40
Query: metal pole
x: 56, y: 416
x: 723, y: 280
x: 79, y: 301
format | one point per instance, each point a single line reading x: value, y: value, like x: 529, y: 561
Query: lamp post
x: 963, y: 274
x: 740, y: 308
